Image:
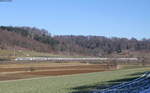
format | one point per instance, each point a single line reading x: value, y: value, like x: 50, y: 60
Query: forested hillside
x: 41, y: 40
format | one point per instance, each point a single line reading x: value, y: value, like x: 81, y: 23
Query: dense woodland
x: 30, y: 38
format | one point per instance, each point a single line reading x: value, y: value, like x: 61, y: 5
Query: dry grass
x: 41, y: 64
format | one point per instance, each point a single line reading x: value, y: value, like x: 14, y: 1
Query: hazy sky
x: 121, y: 18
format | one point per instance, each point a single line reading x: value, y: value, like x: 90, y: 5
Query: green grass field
x: 70, y: 83
x: 24, y: 53
x: 9, y: 54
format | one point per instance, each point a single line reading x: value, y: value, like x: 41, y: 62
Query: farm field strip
x: 66, y: 83
x: 52, y: 70
x: 35, y: 70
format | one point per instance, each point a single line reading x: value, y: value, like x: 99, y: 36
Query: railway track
x: 139, y: 85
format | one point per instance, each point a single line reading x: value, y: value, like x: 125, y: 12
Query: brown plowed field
x: 21, y: 71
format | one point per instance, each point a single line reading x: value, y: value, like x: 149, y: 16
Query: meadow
x: 12, y: 54
x: 77, y: 83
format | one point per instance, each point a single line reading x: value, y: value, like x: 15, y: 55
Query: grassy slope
x: 66, y: 84
x: 20, y: 53
x: 25, y: 53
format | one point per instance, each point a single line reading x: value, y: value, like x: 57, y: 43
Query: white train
x: 72, y: 59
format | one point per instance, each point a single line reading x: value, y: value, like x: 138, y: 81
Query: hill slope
x: 27, y: 38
